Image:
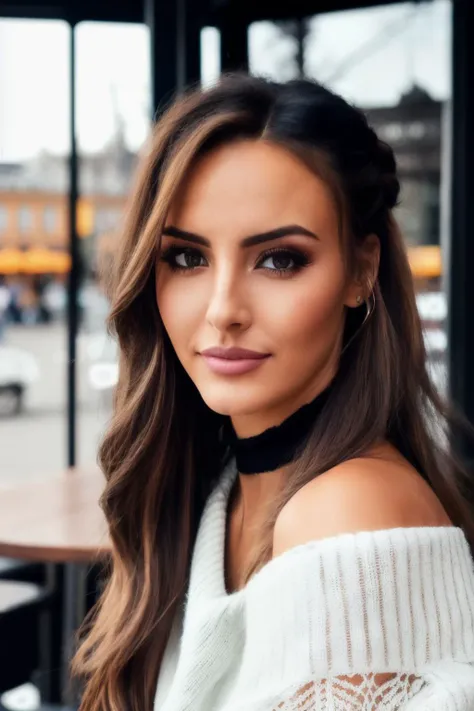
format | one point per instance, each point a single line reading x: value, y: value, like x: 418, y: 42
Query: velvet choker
x: 276, y: 446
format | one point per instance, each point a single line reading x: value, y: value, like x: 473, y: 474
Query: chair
x: 22, y: 570
x: 30, y: 629
x: 20, y: 607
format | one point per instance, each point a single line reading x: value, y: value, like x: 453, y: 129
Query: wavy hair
x: 163, y: 453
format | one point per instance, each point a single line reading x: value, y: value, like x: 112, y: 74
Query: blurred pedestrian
x: 28, y: 302
x: 5, y: 299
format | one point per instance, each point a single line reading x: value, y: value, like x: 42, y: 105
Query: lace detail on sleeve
x: 370, y: 692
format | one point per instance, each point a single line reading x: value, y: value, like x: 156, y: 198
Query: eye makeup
x: 286, y: 261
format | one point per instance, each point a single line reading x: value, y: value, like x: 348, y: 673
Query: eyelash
x: 299, y: 258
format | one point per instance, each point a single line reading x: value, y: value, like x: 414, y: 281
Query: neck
x: 277, y: 446
x: 262, y: 461
x: 247, y: 426
x: 253, y: 493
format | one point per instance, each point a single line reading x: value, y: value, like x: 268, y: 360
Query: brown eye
x: 281, y: 261
x: 185, y: 259
x: 189, y: 259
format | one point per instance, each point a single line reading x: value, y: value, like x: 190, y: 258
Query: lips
x: 233, y: 361
x: 233, y: 354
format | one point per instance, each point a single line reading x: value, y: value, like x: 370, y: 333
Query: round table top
x: 54, y: 520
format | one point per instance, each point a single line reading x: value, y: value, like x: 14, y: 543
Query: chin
x: 233, y: 401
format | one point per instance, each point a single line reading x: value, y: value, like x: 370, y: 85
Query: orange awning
x: 45, y: 261
x: 34, y: 261
x: 10, y: 261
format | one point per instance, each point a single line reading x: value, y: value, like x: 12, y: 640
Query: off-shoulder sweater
x: 370, y: 621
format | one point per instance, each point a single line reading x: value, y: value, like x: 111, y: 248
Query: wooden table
x: 58, y: 520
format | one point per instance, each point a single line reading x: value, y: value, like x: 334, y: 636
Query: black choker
x: 277, y: 446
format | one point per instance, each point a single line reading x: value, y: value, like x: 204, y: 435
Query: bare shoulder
x: 365, y: 494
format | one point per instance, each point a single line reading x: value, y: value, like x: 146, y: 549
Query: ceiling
x: 212, y: 11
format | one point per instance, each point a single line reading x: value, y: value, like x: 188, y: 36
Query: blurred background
x: 393, y: 61
x: 80, y: 85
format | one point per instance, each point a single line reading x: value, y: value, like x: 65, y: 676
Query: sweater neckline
x: 207, y: 578
x: 207, y: 575
x: 395, y: 600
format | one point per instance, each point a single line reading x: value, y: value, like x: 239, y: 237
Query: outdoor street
x: 33, y: 444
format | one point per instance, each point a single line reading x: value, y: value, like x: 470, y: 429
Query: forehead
x: 251, y: 185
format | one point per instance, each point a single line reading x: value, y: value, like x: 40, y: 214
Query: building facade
x: 34, y: 207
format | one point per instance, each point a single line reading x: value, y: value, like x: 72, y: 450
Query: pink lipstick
x: 233, y: 361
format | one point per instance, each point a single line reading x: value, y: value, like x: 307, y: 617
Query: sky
x: 370, y: 56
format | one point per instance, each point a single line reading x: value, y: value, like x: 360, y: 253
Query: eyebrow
x: 278, y: 233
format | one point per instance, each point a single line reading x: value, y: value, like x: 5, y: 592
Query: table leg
x: 75, y: 605
x: 51, y: 628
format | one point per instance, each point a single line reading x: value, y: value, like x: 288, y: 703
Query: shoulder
x: 366, y: 494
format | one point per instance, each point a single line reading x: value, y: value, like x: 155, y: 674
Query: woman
x: 289, y: 530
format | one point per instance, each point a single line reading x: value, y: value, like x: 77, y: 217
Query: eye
x: 282, y: 261
x: 188, y: 259
x: 185, y: 259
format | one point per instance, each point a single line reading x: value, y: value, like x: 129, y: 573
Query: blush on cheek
x: 182, y: 308
x: 168, y: 307
x: 300, y: 315
x: 308, y: 333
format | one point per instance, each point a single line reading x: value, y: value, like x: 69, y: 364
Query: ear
x: 362, y: 283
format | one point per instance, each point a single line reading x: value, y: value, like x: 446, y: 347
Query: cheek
x: 175, y: 310
x: 309, y: 313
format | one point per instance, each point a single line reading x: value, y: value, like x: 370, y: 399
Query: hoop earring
x: 370, y: 309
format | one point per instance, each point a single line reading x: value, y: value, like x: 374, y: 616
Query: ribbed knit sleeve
x: 371, y: 621
x: 379, y: 620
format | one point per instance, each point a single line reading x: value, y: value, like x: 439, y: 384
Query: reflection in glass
x: 113, y: 121
x: 33, y: 220
x: 394, y: 63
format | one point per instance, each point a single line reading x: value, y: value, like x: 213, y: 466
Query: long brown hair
x: 163, y: 452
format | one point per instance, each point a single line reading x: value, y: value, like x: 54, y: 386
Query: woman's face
x: 251, y: 259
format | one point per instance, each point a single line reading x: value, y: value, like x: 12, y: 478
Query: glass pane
x: 34, y: 145
x: 210, y: 55
x: 113, y: 90
x: 394, y: 63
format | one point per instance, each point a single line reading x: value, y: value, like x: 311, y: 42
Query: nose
x: 228, y: 308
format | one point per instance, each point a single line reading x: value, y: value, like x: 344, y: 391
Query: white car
x: 101, y: 352
x: 18, y: 369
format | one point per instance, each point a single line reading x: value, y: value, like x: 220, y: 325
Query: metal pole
x: 460, y: 280
x: 72, y: 315
x: 234, y: 41
x: 73, y: 616
x: 189, y: 42
x: 161, y: 19
x: 174, y: 46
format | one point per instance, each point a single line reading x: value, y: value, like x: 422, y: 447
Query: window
x: 409, y: 107
x: 24, y: 219
x: 114, y: 85
x: 3, y: 218
x: 49, y: 219
x: 33, y: 157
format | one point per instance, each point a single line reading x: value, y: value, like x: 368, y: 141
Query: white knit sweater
x: 313, y: 629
